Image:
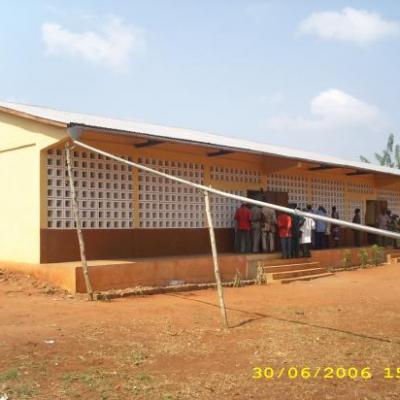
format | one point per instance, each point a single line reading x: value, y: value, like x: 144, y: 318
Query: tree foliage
x: 390, y: 156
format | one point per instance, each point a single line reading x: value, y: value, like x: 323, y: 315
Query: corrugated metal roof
x: 188, y: 135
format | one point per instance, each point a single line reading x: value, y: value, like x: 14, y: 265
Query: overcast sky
x: 316, y: 75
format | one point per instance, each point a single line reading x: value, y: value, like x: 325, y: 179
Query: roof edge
x: 31, y: 117
x: 144, y: 135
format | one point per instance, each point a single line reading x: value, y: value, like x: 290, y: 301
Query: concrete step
x: 306, y: 278
x: 290, y: 267
x: 284, y: 261
x: 298, y: 273
x: 393, y: 257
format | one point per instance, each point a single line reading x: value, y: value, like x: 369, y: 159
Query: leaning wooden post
x: 78, y: 224
x: 215, y: 260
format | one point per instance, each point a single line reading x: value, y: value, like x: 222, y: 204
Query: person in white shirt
x: 383, y: 220
x: 306, y: 236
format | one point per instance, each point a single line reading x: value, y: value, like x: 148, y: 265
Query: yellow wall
x: 20, y: 180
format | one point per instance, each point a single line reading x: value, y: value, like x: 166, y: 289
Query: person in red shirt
x: 285, y: 233
x: 243, y: 224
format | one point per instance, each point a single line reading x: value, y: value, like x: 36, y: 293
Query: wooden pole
x: 75, y: 208
x: 215, y: 261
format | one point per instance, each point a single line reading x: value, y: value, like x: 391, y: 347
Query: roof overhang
x: 219, y: 144
x: 77, y: 130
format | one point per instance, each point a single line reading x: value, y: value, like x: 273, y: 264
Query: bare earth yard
x: 166, y: 347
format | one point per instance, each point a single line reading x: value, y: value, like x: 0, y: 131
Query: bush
x: 378, y: 255
x: 363, y: 258
x: 261, y: 277
x: 347, y: 259
x: 237, y: 281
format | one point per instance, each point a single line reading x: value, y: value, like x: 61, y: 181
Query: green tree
x: 390, y: 157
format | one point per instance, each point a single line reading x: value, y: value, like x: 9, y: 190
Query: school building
x: 130, y: 214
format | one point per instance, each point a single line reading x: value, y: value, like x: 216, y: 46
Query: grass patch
x: 136, y: 357
x: 363, y: 257
x: 133, y: 354
x: 144, y: 377
x: 237, y: 281
x: 25, y: 390
x: 378, y: 255
x: 347, y: 259
x: 91, y: 379
x: 95, y: 381
x: 138, y: 384
x: 18, y: 386
x: 168, y: 396
x: 8, y: 375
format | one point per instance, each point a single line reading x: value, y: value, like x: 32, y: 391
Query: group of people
x: 391, y: 222
x: 386, y: 221
x: 257, y: 227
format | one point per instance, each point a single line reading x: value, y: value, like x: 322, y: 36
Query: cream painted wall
x: 21, y: 141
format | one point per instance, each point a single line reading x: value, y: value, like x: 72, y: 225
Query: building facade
x: 127, y: 213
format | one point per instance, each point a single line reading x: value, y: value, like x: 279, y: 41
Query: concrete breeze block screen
x: 295, y: 185
x: 328, y: 193
x: 167, y: 204
x: 103, y: 188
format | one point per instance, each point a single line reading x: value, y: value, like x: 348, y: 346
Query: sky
x: 320, y: 76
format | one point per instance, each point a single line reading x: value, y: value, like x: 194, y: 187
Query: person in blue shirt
x: 320, y: 229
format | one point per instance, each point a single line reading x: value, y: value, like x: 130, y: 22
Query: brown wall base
x: 195, y: 269
x: 60, y: 245
x: 159, y: 272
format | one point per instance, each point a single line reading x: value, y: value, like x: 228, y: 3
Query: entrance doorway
x: 278, y: 198
x: 269, y: 196
x: 373, y: 209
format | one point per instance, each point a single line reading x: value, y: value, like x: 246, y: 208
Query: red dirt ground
x: 172, y: 346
